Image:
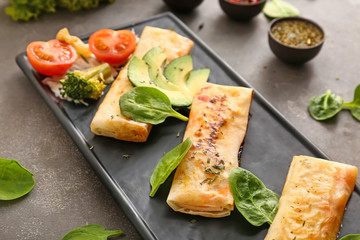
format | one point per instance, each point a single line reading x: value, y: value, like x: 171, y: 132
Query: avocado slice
x: 178, y: 80
x: 155, y: 59
x: 138, y: 74
x: 197, y: 79
x: 178, y: 70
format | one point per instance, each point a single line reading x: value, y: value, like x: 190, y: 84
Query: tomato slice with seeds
x: 113, y: 47
x: 51, y: 58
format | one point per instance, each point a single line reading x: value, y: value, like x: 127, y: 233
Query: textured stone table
x: 68, y: 194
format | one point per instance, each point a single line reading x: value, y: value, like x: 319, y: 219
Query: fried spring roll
x: 313, y: 200
x: 108, y: 120
x: 217, y: 126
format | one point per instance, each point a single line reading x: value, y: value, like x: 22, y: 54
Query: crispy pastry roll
x: 108, y: 120
x: 217, y: 126
x: 313, y: 200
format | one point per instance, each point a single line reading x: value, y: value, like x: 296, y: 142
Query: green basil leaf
x: 91, y: 232
x: 15, y: 180
x: 280, y: 9
x: 354, y: 105
x: 167, y: 164
x: 253, y: 200
x: 351, y: 237
x: 325, y: 106
x: 147, y: 105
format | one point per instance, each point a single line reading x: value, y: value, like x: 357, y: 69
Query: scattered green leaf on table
x: 354, y: 105
x: 280, y: 9
x: 167, y: 164
x: 15, y: 180
x: 253, y: 200
x: 91, y: 232
x: 26, y: 10
x: 147, y: 105
x: 351, y: 237
x: 325, y: 106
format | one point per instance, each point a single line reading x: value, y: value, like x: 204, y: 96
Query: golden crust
x: 313, y: 200
x: 108, y: 120
x: 217, y: 126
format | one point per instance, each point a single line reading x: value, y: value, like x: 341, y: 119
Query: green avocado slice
x: 155, y: 58
x: 138, y: 74
x: 197, y: 79
x: 178, y: 70
x: 178, y: 80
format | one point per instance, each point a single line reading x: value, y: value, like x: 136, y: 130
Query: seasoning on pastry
x: 217, y: 126
x: 313, y: 200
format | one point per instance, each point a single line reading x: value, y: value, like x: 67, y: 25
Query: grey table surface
x: 68, y: 194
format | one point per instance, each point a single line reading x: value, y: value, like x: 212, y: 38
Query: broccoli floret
x: 81, y: 85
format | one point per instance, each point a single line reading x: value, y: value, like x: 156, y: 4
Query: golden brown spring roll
x: 217, y: 126
x: 313, y: 200
x: 108, y: 120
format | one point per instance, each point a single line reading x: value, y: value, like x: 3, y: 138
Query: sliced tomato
x: 51, y: 58
x: 113, y: 47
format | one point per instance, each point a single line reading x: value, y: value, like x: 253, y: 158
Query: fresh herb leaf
x: 15, y: 180
x: 218, y: 167
x: 354, y: 105
x: 167, y: 164
x: 351, y: 237
x: 208, y: 170
x: 325, y: 106
x: 253, y: 200
x: 148, y: 105
x: 280, y: 9
x: 91, y: 232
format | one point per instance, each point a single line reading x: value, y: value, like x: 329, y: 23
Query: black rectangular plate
x: 270, y: 144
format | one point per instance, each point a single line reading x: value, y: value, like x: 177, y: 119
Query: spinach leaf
x: 15, y: 180
x: 351, y: 237
x: 148, y: 105
x: 325, y: 106
x: 167, y: 164
x: 91, y: 232
x: 354, y: 106
x: 280, y: 9
x: 253, y: 200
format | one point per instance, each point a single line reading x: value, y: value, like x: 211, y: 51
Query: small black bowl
x: 242, y: 11
x: 183, y: 5
x: 292, y: 54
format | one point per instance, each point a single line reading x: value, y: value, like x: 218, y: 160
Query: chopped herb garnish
x: 91, y: 147
x: 303, y: 223
x: 208, y: 160
x: 193, y: 221
x: 112, y: 116
x: 213, y: 180
x: 221, y: 133
x: 218, y: 167
x: 180, y: 68
x: 172, y: 29
x: 209, y: 180
x: 178, y: 134
x: 222, y: 162
x: 208, y: 170
x: 126, y: 156
x: 205, y: 152
x: 217, y: 154
x: 205, y: 180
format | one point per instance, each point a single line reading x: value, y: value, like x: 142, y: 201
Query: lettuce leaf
x: 26, y: 10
